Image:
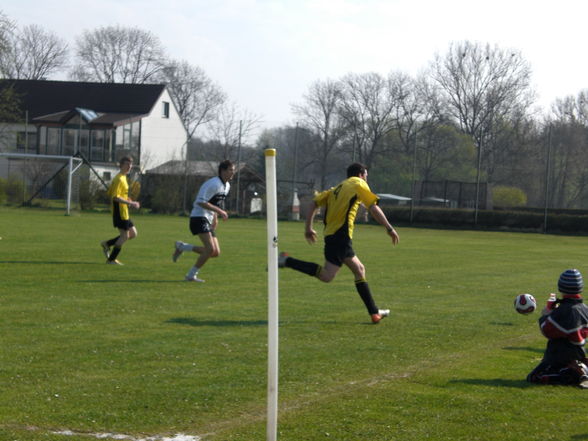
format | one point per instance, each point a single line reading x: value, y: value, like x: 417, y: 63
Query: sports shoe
x: 376, y: 318
x: 105, y: 249
x: 177, y: 252
x: 193, y: 279
x: 114, y: 262
x: 282, y: 260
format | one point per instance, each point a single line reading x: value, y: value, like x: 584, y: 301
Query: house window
x: 97, y: 145
x: 53, y: 141
x: 165, y: 113
x: 106, y: 176
x: 26, y: 142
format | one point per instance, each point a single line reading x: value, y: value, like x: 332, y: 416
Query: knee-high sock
x: 364, y: 292
x: 114, y: 253
x: 112, y: 241
x: 312, y: 269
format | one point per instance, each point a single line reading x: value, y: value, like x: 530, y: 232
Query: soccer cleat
x: 105, y: 249
x: 177, y: 252
x: 114, y: 262
x: 282, y: 260
x: 376, y: 318
x: 193, y: 279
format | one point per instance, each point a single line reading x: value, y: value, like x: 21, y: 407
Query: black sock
x: 312, y: 269
x: 114, y: 253
x: 364, y: 292
x: 112, y: 241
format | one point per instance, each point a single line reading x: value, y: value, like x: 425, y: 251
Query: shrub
x: 503, y: 196
x: 15, y: 190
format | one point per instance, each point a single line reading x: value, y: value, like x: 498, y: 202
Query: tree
x: 115, y: 54
x: 481, y: 84
x: 6, y: 27
x: 319, y: 114
x: 367, y: 106
x: 196, y: 97
x: 32, y: 53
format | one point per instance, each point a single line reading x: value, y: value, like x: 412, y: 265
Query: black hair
x: 224, y: 165
x: 356, y: 169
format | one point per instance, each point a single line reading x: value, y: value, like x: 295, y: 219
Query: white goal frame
x: 73, y: 164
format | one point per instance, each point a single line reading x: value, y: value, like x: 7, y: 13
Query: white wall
x: 162, y: 139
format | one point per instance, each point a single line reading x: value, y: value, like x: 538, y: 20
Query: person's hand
x: 310, y: 236
x: 135, y: 204
x: 394, y: 235
x: 223, y: 214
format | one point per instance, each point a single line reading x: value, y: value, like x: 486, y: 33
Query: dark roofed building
x: 102, y: 121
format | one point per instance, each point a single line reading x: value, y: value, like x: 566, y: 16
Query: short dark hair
x: 124, y: 159
x: 356, y: 169
x: 225, y: 165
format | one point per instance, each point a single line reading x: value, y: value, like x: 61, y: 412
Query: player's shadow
x: 495, y: 382
x: 130, y: 281
x: 220, y: 323
x: 523, y: 348
x: 48, y: 262
x: 580, y: 436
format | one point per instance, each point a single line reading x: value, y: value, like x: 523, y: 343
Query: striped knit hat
x: 570, y: 283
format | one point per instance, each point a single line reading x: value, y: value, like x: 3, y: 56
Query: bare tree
x: 196, y: 97
x: 319, y: 114
x: 230, y: 128
x: 33, y: 54
x: 367, y: 106
x: 6, y: 28
x: 116, y: 54
x: 481, y: 85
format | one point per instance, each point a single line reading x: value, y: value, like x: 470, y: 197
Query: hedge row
x: 489, y: 219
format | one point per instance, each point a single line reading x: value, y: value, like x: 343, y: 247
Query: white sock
x: 193, y: 272
x: 186, y: 246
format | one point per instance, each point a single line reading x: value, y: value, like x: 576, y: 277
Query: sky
x: 265, y: 54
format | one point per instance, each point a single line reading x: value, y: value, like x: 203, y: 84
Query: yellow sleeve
x: 366, y: 196
x: 320, y: 199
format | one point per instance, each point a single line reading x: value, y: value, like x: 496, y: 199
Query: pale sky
x: 266, y: 53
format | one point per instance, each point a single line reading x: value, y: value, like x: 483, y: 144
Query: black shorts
x: 200, y: 225
x: 337, y: 249
x: 121, y: 224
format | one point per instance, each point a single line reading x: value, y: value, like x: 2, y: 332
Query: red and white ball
x: 525, y: 303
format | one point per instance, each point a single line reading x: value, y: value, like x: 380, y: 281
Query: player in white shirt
x: 208, y: 206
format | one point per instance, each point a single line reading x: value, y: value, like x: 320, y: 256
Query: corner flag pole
x: 272, y: 276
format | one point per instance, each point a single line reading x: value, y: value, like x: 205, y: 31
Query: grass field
x: 95, y: 349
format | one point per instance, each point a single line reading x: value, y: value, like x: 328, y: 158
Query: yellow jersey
x: 341, y: 204
x: 119, y: 188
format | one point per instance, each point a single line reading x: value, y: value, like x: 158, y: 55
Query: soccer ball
x: 525, y: 303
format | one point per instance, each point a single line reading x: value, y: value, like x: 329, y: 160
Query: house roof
x: 206, y: 169
x: 40, y: 97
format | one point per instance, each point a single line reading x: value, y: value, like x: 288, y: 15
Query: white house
x: 100, y: 121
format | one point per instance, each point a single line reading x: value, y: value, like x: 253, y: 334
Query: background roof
x: 47, y: 97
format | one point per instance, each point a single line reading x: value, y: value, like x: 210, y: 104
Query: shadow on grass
x: 221, y: 323
x: 580, y: 436
x: 523, y: 348
x: 495, y: 382
x: 130, y: 281
x: 48, y: 262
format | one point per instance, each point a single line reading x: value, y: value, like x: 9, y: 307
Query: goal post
x: 272, y: 272
x: 71, y: 163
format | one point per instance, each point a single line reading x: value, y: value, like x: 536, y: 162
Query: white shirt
x: 213, y: 191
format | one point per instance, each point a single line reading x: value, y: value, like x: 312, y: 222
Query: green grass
x: 134, y: 350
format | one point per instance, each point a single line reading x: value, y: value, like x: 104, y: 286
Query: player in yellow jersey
x: 341, y: 204
x: 120, y: 203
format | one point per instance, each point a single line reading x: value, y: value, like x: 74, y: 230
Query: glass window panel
x: 84, y: 145
x: 97, y: 145
x: 70, y: 140
x: 53, y: 140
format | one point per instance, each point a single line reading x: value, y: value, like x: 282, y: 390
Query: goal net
x: 42, y: 180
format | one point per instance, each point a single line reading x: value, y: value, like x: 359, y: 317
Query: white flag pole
x: 272, y: 273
